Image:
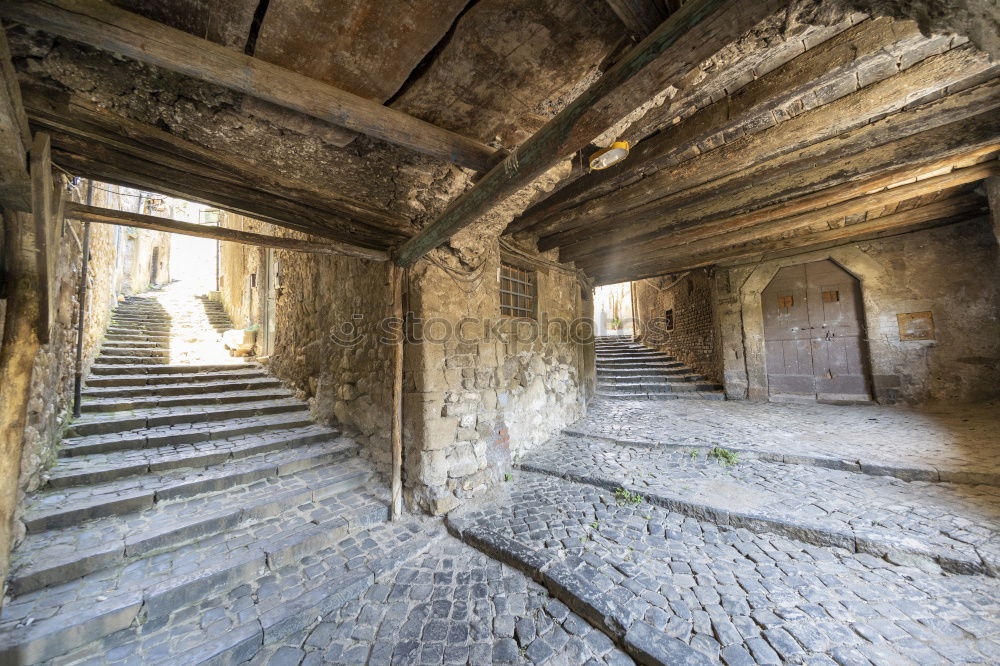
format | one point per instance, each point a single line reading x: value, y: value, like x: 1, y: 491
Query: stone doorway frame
x: 853, y: 260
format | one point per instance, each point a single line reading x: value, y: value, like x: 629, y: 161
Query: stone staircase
x: 181, y: 484
x: 631, y: 371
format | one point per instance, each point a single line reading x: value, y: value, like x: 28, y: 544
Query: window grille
x: 517, y: 292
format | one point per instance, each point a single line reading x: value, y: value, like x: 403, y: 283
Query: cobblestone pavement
x: 950, y: 439
x: 733, y: 595
x: 417, y: 596
x: 955, y: 525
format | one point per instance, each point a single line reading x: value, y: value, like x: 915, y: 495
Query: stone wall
x: 108, y: 276
x: 327, y: 345
x: 482, y: 389
x: 940, y: 270
x: 692, y: 339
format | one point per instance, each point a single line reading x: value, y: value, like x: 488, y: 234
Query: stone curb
x: 877, y: 546
x: 902, y: 472
x: 645, y: 644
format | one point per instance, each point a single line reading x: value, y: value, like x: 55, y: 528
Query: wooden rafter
x: 86, y: 213
x: 15, y: 187
x: 691, y: 34
x: 104, y: 146
x: 818, y: 76
x: 841, y: 127
x: 104, y: 26
x: 735, y: 231
x: 960, y: 207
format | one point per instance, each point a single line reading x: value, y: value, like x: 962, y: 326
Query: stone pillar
x: 992, y: 186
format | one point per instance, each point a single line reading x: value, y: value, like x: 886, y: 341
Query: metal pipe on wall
x: 82, y: 306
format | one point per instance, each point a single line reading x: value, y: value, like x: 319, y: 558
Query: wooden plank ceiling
x: 871, y: 131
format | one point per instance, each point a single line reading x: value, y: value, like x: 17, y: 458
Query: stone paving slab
x: 113, y: 380
x: 732, y: 595
x: 948, y: 443
x: 42, y: 624
x: 181, y: 433
x: 956, y: 526
x: 101, y: 467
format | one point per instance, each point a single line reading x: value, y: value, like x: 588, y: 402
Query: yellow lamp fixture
x: 609, y: 156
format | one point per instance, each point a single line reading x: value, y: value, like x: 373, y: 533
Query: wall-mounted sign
x: 915, y: 326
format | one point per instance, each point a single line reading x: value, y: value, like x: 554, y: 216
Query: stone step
x: 638, y: 356
x: 189, y: 388
x: 117, y: 350
x: 103, y: 467
x: 127, y: 329
x: 110, y: 359
x: 182, y: 507
x: 109, y: 600
x: 115, y: 338
x: 100, y: 369
x: 667, y: 386
x: 619, y: 365
x: 119, y: 422
x: 673, y: 395
x: 229, y: 396
x: 639, y: 374
x: 144, y: 438
x: 238, y: 373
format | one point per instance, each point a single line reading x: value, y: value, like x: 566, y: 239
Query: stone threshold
x: 641, y: 641
x: 903, y: 551
x: 871, y: 468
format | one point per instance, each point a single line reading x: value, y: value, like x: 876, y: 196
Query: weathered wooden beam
x: 15, y: 137
x: 833, y: 69
x: 733, y: 232
x: 86, y: 213
x: 950, y: 126
x: 838, y: 126
x: 44, y: 227
x: 698, y: 29
x: 640, y: 17
x: 397, y: 276
x: 104, y: 26
x: 956, y: 208
x: 696, y: 228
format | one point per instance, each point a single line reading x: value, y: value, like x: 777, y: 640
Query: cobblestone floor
x: 957, y: 525
x: 746, y: 598
x: 953, y: 438
x: 451, y: 605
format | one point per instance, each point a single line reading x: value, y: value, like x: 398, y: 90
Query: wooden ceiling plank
x: 95, y: 161
x: 101, y: 215
x: 730, y: 233
x: 960, y: 207
x: 820, y: 126
x: 825, y: 74
x: 15, y: 137
x: 640, y: 17
x: 155, y: 145
x: 104, y: 26
x: 904, y: 162
x: 699, y: 29
x: 796, y: 173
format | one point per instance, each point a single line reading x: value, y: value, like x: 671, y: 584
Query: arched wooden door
x: 814, y: 337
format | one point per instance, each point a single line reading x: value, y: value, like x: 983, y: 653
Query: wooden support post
x: 125, y: 219
x: 396, y: 277
x: 46, y: 249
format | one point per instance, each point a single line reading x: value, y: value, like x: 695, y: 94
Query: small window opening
x: 668, y: 320
x: 518, y: 297
x: 831, y: 296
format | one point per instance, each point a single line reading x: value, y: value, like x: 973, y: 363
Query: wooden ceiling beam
x: 904, y: 139
x: 15, y: 138
x: 691, y: 34
x: 964, y: 206
x: 818, y: 76
x: 819, y: 130
x: 736, y: 231
x: 71, y: 116
x: 86, y: 213
x: 104, y: 26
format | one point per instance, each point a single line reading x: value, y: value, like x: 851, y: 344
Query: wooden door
x: 814, y: 342
x: 270, y: 324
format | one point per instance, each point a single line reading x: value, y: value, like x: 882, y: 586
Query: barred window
x: 517, y: 292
